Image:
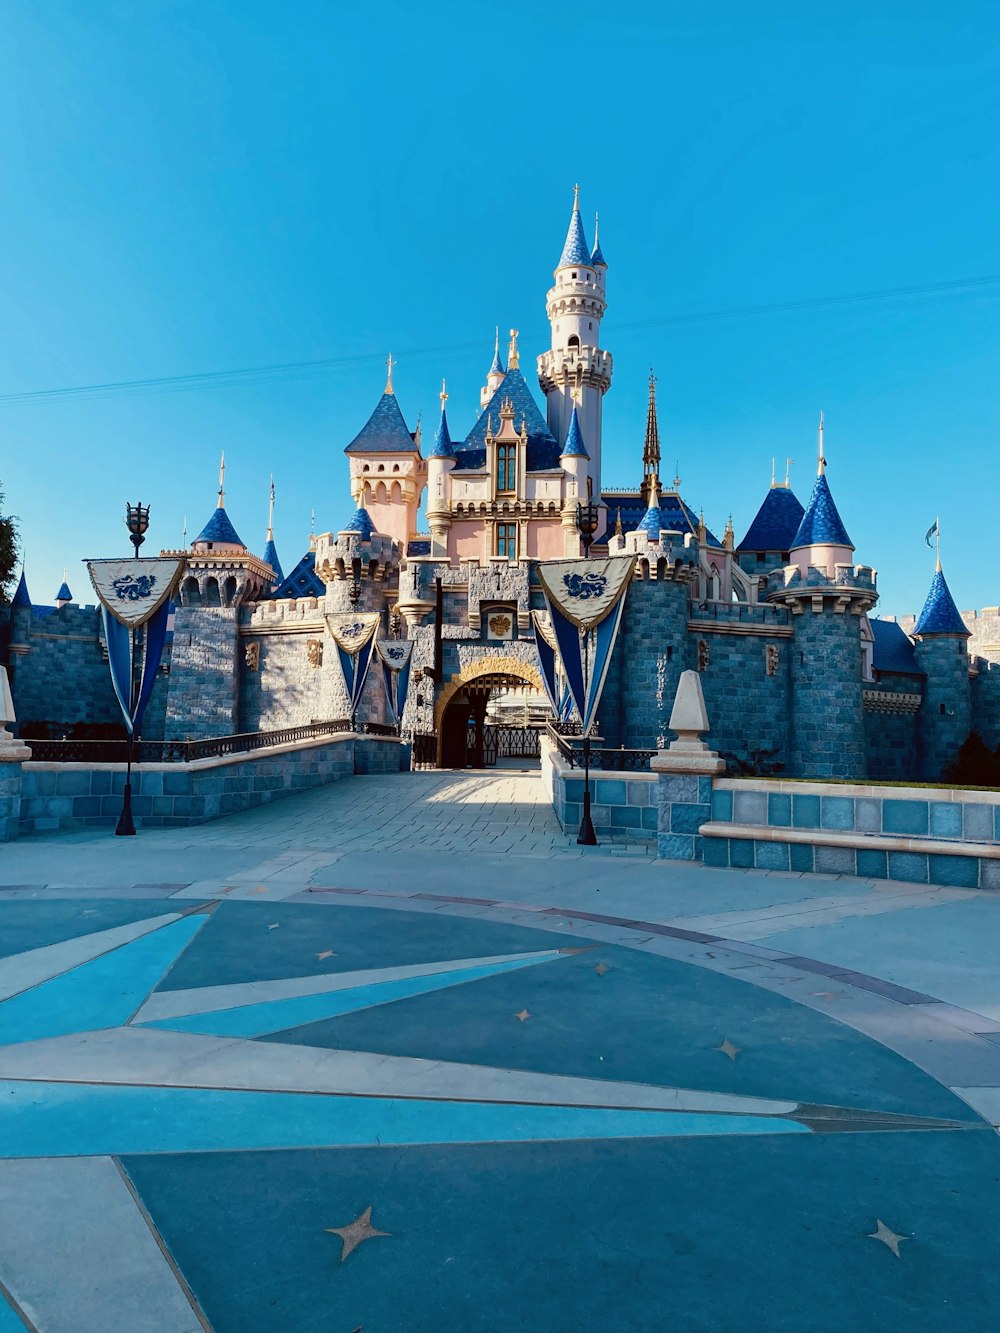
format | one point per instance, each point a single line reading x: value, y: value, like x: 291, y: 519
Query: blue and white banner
x: 135, y: 593
x: 586, y: 599
x: 353, y: 633
x: 545, y: 647
x: 396, y: 656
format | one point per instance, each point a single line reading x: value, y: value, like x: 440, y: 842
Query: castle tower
x: 387, y: 471
x: 827, y: 596
x: 575, y: 369
x: 651, y: 446
x: 575, y: 462
x: 440, y: 461
x: 940, y: 646
x: 63, y: 597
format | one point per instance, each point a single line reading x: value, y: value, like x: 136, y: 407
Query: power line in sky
x: 249, y: 374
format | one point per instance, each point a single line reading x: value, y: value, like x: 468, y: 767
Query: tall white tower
x: 575, y: 370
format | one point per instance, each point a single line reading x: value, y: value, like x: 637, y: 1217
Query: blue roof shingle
x: 940, y: 614
x: 442, y: 446
x: 271, y: 558
x: 219, y: 529
x: 21, y: 597
x: 821, y: 523
x: 543, y: 451
x: 674, y: 513
x: 776, y: 523
x: 64, y: 594
x: 576, y: 250
x: 303, y: 581
x: 361, y: 523
x: 893, y: 649
x: 574, y: 446
x: 384, y: 432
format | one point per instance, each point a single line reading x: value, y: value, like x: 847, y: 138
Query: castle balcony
x: 590, y: 366
x: 854, y: 586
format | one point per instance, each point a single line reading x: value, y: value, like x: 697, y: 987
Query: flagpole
x: 586, y: 837
x: 937, y: 539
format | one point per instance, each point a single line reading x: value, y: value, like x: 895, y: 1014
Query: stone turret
x: 941, y: 649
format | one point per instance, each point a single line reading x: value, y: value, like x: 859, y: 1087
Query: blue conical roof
x: 64, y: 594
x: 21, y: 597
x: 271, y: 558
x: 574, y: 446
x: 384, y: 432
x: 361, y: 523
x: 303, y: 581
x: 219, y: 529
x: 652, y: 521
x: 442, y: 446
x: 543, y: 450
x: 497, y: 367
x: 821, y: 523
x: 940, y: 614
x: 777, y: 522
x: 576, y: 250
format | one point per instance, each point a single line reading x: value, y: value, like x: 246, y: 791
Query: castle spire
x: 597, y: 254
x: 389, y: 363
x: 575, y: 250
x: 513, y: 356
x: 270, y: 514
x: 497, y: 367
x: 821, y: 467
x: 222, y: 481
x: 651, y: 445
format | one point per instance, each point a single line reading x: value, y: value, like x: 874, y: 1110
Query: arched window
x: 574, y: 342
x: 507, y: 468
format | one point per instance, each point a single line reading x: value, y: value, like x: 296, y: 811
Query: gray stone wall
x: 202, y: 698
x: 891, y: 743
x: 748, y: 708
x: 64, y: 676
x: 986, y: 702
x: 10, y: 801
x: 945, y: 717
x: 651, y: 652
x: 828, y: 738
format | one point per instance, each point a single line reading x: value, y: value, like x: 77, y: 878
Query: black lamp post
x: 587, y: 518
x: 137, y: 522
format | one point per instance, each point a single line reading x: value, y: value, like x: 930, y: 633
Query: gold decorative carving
x: 252, y: 656
x: 314, y: 652
x: 704, y: 652
x: 500, y: 624
x: 771, y: 659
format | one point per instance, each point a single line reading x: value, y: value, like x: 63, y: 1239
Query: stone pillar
x: 945, y: 717
x: 12, y: 755
x: 686, y: 769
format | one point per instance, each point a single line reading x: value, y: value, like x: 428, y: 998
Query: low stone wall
x: 619, y: 801
x: 921, y: 835
x: 54, y: 796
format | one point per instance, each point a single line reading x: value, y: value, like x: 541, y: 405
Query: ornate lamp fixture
x: 587, y: 518
x: 354, y: 587
x: 137, y: 522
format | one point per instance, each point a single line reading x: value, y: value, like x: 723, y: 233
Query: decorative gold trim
x: 482, y: 666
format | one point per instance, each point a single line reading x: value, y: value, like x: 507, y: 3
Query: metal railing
x: 182, y: 752
x: 608, y: 758
x: 505, y: 742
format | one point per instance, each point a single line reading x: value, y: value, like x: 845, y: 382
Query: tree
x: 8, y: 552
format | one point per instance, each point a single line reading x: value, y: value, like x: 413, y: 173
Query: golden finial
x: 773, y: 482
x: 443, y: 395
x: 702, y: 530
x: 788, y: 468
x: 513, y: 357
x: 729, y: 537
x: 270, y: 514
x: 222, y: 480
x: 389, y: 363
x: 822, y: 461
x: 618, y: 523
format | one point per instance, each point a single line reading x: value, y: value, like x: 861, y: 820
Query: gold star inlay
x: 523, y: 1016
x: 727, y: 1048
x: 356, y: 1232
x: 889, y: 1238
x: 274, y: 925
x: 327, y: 953
x: 601, y: 968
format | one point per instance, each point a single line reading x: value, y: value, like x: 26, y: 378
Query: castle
x: 800, y: 676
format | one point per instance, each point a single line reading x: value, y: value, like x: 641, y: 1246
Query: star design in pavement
x: 261, y: 888
x: 356, y: 1232
x: 727, y: 1048
x: 601, y: 968
x: 523, y: 1016
x: 327, y: 953
x: 274, y: 925
x: 889, y: 1238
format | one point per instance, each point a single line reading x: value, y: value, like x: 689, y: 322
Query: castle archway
x: 461, y: 706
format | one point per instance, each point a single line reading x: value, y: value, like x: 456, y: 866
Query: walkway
x: 398, y: 1055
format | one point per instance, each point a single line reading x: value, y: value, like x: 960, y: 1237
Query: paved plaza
x: 397, y: 1055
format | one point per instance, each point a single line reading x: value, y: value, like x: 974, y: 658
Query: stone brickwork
x: 652, y: 650
x: 10, y: 801
x: 745, y: 679
x: 202, y: 701
x: 945, y: 717
x: 175, y: 795
x: 827, y: 725
x: 63, y: 678
x: 683, y: 806
x: 985, y: 685
x: 620, y: 802
x: 891, y: 744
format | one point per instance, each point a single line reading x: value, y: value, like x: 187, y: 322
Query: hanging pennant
x: 545, y: 647
x: 396, y: 656
x: 354, y: 636
x: 135, y: 593
x: 586, y: 599
x: 134, y: 590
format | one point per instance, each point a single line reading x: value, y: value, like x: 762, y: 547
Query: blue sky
x: 193, y: 186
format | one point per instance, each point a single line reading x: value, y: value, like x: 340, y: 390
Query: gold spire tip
x: 821, y: 467
x: 513, y: 356
x: 443, y: 395
x: 389, y: 363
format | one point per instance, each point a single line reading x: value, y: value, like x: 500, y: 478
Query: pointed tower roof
x: 576, y: 249
x: 442, y: 446
x: 940, y: 614
x: 497, y: 367
x: 597, y: 254
x: 303, y: 581
x: 270, y: 550
x: 543, y: 450
x: 777, y: 522
x: 219, y: 530
x: 21, y: 597
x: 385, y: 431
x: 361, y: 523
x: 64, y: 594
x: 652, y: 521
x: 574, y: 446
x: 821, y: 523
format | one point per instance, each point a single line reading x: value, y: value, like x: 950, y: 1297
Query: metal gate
x: 504, y: 742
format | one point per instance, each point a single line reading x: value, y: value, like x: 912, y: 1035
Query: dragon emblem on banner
x: 585, y: 585
x: 129, y: 589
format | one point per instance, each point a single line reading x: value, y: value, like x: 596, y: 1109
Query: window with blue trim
x: 507, y: 467
x: 507, y: 540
